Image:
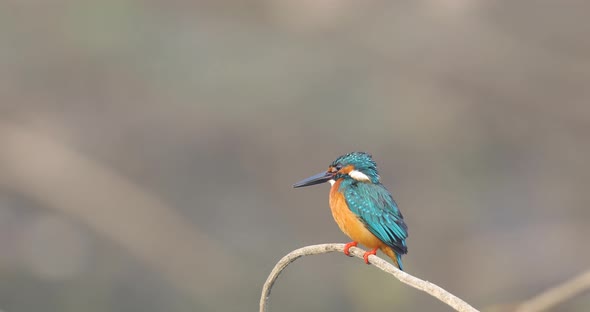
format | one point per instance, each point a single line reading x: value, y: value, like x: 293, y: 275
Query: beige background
x: 147, y: 149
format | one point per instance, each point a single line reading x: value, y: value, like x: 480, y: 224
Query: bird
x: 362, y: 207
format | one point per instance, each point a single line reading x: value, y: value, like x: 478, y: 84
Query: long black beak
x: 316, y: 179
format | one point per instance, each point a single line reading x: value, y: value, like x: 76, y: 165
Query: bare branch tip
x: 408, y: 279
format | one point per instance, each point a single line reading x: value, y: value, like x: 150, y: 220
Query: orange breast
x: 348, y: 222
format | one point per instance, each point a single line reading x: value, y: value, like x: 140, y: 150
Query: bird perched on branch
x: 362, y: 207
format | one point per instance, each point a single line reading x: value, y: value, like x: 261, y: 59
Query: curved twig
x: 557, y: 294
x: 425, y: 286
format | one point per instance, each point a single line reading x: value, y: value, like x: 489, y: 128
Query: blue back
x: 375, y: 207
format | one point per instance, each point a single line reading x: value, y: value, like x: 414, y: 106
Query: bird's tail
x: 397, y: 258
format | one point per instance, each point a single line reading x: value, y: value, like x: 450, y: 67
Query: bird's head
x: 357, y: 166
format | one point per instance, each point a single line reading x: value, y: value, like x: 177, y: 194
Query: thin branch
x: 557, y: 294
x: 425, y: 286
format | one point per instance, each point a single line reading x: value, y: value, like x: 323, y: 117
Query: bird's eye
x: 338, y: 166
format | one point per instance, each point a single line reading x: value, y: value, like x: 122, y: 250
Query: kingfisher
x: 362, y: 207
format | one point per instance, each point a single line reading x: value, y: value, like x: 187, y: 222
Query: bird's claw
x: 347, y: 247
x: 368, y: 253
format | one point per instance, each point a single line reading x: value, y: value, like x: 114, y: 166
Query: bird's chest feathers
x: 347, y: 221
x: 342, y: 215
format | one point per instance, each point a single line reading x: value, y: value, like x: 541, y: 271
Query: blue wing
x: 379, y: 212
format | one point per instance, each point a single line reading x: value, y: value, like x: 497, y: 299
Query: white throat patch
x: 332, y: 181
x: 359, y: 176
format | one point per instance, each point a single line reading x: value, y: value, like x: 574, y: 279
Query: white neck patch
x: 332, y: 181
x: 359, y: 176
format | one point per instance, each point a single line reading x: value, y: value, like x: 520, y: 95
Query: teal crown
x: 362, y: 162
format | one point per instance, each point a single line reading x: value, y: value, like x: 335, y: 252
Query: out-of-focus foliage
x: 477, y: 112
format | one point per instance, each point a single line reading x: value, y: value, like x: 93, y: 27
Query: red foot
x: 347, y: 246
x: 368, y: 253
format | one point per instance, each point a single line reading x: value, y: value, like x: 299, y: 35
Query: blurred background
x: 148, y: 148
